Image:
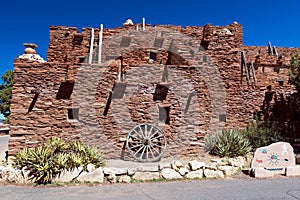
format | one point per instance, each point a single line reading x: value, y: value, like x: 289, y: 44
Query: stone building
x: 98, y: 84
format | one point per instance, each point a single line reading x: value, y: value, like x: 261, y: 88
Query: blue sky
x: 29, y: 21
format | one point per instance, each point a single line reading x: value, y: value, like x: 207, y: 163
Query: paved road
x: 267, y: 189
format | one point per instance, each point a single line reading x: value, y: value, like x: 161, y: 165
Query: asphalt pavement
x: 241, y: 189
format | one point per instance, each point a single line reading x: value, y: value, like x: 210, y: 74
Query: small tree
x: 294, y: 71
x: 5, y: 94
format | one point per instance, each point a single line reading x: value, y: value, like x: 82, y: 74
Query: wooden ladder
x: 244, y: 64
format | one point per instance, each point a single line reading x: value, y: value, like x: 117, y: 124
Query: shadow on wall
x: 284, y: 111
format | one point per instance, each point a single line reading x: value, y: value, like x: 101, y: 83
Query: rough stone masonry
x: 189, y: 81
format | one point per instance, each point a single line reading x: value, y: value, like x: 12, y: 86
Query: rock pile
x: 216, y: 168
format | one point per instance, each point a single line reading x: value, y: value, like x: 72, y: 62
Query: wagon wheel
x: 146, y: 142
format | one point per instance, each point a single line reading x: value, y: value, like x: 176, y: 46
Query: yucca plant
x: 93, y: 155
x: 54, y: 156
x: 56, y: 144
x: 75, y: 161
x: 39, y: 162
x: 229, y: 143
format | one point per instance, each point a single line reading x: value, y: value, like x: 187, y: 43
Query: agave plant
x: 227, y: 143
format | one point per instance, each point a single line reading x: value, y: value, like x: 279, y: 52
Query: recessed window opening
x: 222, y: 118
x: 152, y: 56
x: 65, y: 90
x: 164, y: 114
x: 73, y: 113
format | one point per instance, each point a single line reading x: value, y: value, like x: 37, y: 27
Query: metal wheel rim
x: 146, y: 142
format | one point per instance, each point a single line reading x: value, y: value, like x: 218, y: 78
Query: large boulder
x: 195, y: 165
x: 237, y: 161
x: 114, y: 170
x: 213, y: 174
x: 183, y: 170
x: 68, y: 176
x: 96, y: 175
x: 195, y: 174
x: 169, y: 173
x: 228, y: 170
x: 276, y: 156
x: 124, y: 179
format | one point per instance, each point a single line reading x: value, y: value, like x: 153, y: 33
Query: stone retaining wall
x: 175, y: 170
x: 194, y: 169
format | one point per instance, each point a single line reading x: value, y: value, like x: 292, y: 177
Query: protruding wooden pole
x: 143, y: 23
x: 253, y: 72
x: 100, y: 43
x: 91, y: 47
x: 244, y: 62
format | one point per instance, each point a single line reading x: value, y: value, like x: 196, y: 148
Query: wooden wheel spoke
x: 146, y: 131
x: 136, y: 146
x: 155, y: 145
x: 154, y: 149
x: 139, y: 150
x: 136, y: 137
x: 157, y: 137
x: 151, y: 151
x: 142, y: 132
x: 150, y: 131
x: 138, y: 134
x: 141, y: 156
x: 154, y: 134
x: 147, y: 152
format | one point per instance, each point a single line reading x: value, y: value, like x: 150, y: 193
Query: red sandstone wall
x: 92, y: 83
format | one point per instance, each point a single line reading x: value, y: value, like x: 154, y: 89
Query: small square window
x: 73, y: 113
x: 152, y: 56
x: 222, y: 117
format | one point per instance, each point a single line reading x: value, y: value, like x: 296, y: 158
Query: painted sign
x: 275, y: 156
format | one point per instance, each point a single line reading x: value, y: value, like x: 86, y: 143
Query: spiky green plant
x: 92, y: 155
x: 54, y: 156
x: 40, y: 162
x: 56, y: 144
x: 229, y: 143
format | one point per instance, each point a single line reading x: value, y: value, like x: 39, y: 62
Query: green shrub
x: 262, y: 133
x: 294, y: 71
x: 229, y: 143
x: 54, y: 156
